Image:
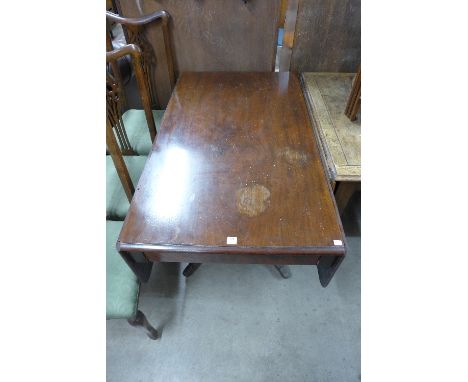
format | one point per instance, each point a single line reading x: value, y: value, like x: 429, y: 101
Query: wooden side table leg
x: 327, y: 267
x: 343, y: 193
x: 190, y: 269
x: 284, y: 271
x: 140, y: 320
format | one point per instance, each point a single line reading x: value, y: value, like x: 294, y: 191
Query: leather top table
x: 234, y: 176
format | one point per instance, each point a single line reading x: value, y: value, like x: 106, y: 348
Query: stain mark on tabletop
x: 252, y: 200
x: 293, y: 157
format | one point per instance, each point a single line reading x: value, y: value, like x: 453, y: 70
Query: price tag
x: 232, y: 240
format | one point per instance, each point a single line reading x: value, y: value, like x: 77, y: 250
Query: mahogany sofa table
x: 234, y: 176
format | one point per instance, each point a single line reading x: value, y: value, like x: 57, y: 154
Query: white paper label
x: 337, y: 242
x: 231, y: 240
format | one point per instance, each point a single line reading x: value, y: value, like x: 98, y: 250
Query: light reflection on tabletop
x: 171, y: 184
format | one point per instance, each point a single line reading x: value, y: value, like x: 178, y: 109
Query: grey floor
x: 245, y: 323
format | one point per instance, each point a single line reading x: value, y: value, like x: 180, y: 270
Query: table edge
x: 267, y: 250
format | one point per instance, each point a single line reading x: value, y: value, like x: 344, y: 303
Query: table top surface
x: 234, y: 168
x: 340, y: 138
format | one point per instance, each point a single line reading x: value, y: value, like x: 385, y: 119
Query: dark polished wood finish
x: 235, y: 157
x: 211, y: 35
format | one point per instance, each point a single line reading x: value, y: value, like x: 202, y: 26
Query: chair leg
x: 284, y: 271
x: 189, y: 269
x: 140, y: 320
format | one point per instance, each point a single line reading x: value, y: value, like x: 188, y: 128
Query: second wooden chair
x: 123, y: 172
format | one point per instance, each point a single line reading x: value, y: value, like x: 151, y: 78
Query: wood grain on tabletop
x: 235, y: 157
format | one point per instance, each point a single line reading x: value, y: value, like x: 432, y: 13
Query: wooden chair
x: 122, y: 172
x: 211, y: 35
x: 122, y: 286
x: 132, y: 123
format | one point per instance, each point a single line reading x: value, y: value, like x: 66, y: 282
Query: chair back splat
x: 134, y: 29
x: 114, y: 125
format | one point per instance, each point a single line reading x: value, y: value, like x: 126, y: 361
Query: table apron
x: 286, y: 259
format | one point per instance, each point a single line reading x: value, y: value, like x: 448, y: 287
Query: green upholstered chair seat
x: 137, y: 129
x: 122, y: 286
x: 116, y: 201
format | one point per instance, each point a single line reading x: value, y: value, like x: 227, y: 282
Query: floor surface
x: 245, y: 323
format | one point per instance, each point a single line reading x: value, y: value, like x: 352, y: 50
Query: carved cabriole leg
x: 140, y: 320
x: 139, y: 264
x: 190, y: 269
x: 284, y: 271
x: 327, y: 267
